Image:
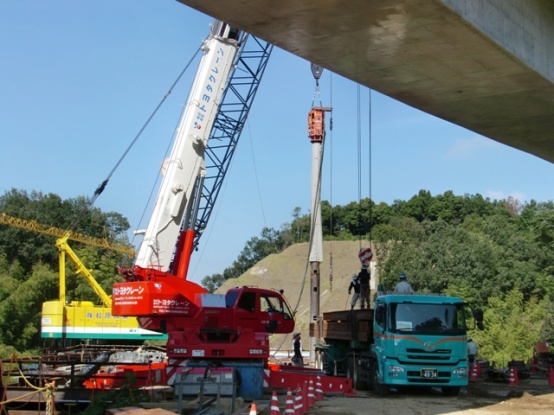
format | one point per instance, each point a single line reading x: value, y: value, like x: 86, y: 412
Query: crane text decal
x: 163, y: 305
x: 146, y: 301
x: 209, y: 89
x: 127, y: 290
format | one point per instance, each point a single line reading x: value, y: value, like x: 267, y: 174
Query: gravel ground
x: 532, y: 397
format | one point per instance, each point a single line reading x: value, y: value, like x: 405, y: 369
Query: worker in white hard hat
x: 403, y: 287
x: 356, y: 286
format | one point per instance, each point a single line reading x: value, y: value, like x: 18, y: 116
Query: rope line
x: 359, y: 156
x: 49, y: 388
x: 103, y: 185
x: 256, y: 175
x: 155, y: 183
x: 26, y: 381
x: 24, y: 395
x: 369, y: 156
x: 331, y: 190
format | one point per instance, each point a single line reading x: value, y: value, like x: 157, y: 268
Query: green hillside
x: 495, y: 254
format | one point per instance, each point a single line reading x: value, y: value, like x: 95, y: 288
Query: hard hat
x: 402, y: 276
x: 354, y: 276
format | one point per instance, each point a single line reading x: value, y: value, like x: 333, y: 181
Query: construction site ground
x: 532, y: 396
x: 476, y: 400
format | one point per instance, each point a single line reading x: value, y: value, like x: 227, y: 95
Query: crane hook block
x: 316, y: 124
x: 316, y: 71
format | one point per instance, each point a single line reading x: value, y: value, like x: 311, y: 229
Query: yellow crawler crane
x: 82, y: 319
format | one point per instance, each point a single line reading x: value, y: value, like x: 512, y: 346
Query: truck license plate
x: 429, y: 373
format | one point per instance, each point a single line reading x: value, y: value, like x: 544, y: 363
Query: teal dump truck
x: 405, y: 340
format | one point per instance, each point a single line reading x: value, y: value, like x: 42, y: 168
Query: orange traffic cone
x: 551, y: 376
x: 473, y: 374
x: 514, y: 377
x: 305, y: 397
x: 253, y: 410
x: 289, y: 405
x: 274, y: 404
x: 318, y: 389
x: 311, y: 393
x: 298, y: 404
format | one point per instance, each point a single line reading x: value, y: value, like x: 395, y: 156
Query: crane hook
x: 316, y: 71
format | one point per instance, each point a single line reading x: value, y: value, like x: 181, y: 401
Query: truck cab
x: 419, y: 340
x: 405, y: 340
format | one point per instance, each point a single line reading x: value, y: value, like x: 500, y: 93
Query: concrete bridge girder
x: 486, y: 65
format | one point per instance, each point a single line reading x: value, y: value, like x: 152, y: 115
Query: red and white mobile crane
x: 229, y: 330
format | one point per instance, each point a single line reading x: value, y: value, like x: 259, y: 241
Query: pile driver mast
x: 316, y: 134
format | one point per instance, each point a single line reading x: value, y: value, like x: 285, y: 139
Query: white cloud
x: 465, y: 147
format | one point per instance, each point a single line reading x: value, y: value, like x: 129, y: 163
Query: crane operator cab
x: 265, y: 309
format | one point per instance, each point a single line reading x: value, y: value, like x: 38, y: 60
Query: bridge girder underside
x: 419, y: 52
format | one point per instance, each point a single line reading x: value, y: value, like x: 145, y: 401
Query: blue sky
x: 79, y: 79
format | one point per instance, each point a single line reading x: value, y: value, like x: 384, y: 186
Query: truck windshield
x: 428, y: 318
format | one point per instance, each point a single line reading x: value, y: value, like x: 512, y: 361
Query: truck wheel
x: 353, y: 373
x: 378, y: 388
x: 450, y: 390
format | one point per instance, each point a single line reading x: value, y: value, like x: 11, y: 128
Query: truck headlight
x: 460, y: 371
x: 396, y: 369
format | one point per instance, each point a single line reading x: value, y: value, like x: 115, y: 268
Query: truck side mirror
x: 380, y: 315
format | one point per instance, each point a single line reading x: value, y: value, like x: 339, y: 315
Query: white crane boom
x: 185, y: 169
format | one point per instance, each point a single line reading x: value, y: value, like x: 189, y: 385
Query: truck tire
x: 378, y: 388
x: 353, y: 373
x: 450, y: 390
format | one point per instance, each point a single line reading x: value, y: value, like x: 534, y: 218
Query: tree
x: 29, y: 260
x: 29, y: 247
x: 213, y: 282
x: 20, y: 311
x: 547, y: 328
x: 511, y: 328
x: 300, y: 226
x: 418, y: 206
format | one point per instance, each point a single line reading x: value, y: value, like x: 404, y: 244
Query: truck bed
x: 347, y: 325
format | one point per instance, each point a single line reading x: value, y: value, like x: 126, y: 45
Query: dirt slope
x: 290, y: 271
